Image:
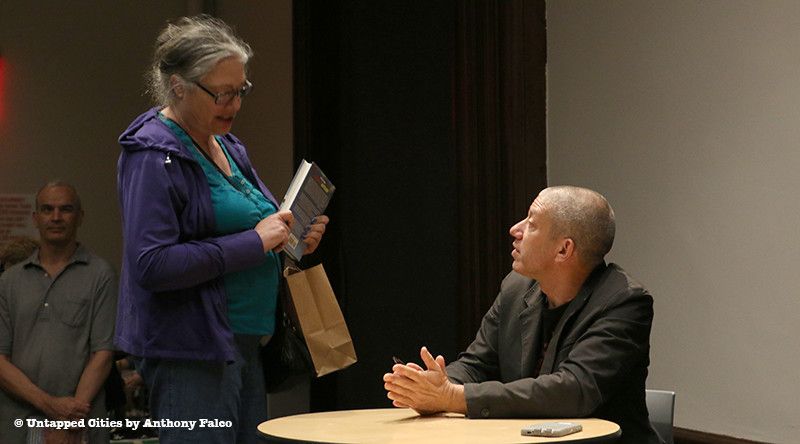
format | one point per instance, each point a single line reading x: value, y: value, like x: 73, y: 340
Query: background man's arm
x: 13, y: 381
x: 17, y: 383
x: 101, y: 343
x: 94, y: 375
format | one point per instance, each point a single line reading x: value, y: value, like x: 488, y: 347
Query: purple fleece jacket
x: 172, y: 301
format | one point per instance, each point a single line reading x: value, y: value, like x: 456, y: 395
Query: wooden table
x: 405, y: 426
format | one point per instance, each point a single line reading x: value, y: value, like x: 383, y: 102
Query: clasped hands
x: 427, y: 391
x: 65, y: 408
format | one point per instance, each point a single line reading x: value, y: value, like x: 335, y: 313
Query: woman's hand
x: 274, y: 230
x: 314, y: 233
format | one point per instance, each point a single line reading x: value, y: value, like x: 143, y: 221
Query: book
x: 307, y: 197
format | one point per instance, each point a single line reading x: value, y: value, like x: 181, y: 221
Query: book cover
x: 307, y: 197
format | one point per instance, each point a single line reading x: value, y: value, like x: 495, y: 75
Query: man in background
x: 57, y: 313
x: 567, y: 337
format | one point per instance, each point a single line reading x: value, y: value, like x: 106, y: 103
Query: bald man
x: 568, y: 335
x: 57, y: 312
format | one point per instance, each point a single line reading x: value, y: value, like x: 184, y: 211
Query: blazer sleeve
x: 616, y: 340
x: 160, y: 259
x: 480, y: 361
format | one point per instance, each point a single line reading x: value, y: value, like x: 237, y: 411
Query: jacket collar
x: 148, y: 132
x: 529, y: 327
x: 575, y: 306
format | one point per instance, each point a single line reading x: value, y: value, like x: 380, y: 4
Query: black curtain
x: 429, y: 119
x: 499, y: 120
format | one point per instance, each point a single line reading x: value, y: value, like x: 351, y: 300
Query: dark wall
x: 373, y: 106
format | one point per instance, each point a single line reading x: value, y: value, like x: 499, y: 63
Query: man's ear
x: 566, y: 250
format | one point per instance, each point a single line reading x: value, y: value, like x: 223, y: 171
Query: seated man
x: 568, y: 336
x: 57, y: 311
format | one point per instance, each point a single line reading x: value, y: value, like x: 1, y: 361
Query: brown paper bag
x: 320, y: 319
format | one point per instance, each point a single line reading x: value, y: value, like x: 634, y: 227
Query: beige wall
x: 265, y: 122
x: 75, y: 81
x: 685, y: 115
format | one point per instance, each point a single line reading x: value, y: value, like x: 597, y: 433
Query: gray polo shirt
x: 49, y: 325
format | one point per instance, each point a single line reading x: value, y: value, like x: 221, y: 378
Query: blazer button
x: 485, y: 412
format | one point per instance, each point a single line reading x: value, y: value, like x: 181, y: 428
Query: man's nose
x: 515, y: 229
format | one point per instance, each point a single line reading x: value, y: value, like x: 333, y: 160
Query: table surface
x: 404, y: 426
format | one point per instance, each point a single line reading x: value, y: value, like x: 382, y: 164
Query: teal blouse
x: 239, y: 206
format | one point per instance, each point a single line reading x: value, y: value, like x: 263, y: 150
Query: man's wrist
x: 42, y: 402
x: 83, y: 399
x: 457, y: 402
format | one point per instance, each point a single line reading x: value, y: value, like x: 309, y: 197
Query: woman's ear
x: 176, y: 85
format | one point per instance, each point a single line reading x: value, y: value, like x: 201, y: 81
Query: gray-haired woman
x: 201, y: 240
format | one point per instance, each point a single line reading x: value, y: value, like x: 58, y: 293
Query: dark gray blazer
x: 595, y: 365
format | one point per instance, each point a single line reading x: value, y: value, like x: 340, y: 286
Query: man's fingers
x: 394, y: 391
x: 415, y: 366
x: 427, y: 358
x: 399, y: 397
x: 407, y: 378
x: 442, y: 364
x: 406, y: 371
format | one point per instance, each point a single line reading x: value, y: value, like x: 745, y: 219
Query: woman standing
x: 201, y: 241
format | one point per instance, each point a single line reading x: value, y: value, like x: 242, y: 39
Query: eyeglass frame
x: 241, y: 92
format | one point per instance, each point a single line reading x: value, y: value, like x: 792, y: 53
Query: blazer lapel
x: 575, y: 306
x: 529, y: 320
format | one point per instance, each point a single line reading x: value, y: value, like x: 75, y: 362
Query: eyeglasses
x: 226, y: 98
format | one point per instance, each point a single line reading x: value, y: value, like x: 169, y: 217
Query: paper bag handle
x: 290, y: 268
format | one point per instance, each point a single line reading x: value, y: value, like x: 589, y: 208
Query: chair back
x: 661, y: 407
